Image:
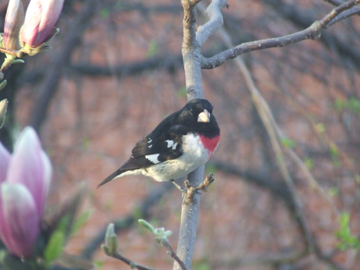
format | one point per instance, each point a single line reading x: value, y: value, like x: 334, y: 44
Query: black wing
x: 156, y: 148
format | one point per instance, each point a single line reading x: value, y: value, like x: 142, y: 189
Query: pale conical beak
x: 204, y: 117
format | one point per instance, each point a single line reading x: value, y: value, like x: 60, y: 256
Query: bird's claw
x: 189, y: 196
x: 183, y: 190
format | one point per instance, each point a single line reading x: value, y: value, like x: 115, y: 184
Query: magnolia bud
x: 40, y: 19
x: 13, y: 21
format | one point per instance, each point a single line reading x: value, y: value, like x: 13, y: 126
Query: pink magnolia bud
x: 40, y: 19
x: 19, y: 219
x: 13, y: 22
x: 30, y: 166
x: 24, y: 184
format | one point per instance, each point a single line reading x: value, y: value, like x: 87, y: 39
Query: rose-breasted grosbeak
x: 182, y: 142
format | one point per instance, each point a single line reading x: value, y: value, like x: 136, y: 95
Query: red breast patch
x: 210, y: 143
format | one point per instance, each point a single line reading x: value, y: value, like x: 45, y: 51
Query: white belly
x: 194, y: 156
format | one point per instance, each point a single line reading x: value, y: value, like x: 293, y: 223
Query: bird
x: 182, y: 142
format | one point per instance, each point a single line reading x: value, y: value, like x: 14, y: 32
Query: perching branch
x: 194, y: 88
x: 312, y: 32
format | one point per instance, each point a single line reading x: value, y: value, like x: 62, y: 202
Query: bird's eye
x: 191, y: 111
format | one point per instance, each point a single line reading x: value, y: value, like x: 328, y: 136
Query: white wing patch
x: 171, y: 144
x: 153, y: 158
x: 149, y: 143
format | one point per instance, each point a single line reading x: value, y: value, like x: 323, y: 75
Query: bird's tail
x: 112, y: 176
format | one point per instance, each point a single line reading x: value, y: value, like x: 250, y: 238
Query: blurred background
x: 116, y: 71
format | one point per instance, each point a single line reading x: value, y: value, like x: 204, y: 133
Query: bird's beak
x: 204, y: 117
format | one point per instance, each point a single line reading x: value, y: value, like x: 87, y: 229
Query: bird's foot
x: 183, y: 190
x: 189, y: 196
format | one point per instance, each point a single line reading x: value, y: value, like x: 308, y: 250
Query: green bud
x: 3, y: 109
x: 111, y: 241
x: 18, y: 61
x: 147, y: 225
x: 105, y: 249
x: 160, y: 233
x: 3, y: 84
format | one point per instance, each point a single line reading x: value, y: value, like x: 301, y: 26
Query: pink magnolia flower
x: 40, y: 19
x: 24, y: 184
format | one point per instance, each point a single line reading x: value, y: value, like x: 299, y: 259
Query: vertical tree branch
x: 191, y: 50
x: 189, y: 212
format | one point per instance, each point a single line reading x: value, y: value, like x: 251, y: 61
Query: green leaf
x: 288, y: 143
x: 334, y: 154
x: 333, y: 191
x: 55, y: 247
x: 153, y: 48
x: 202, y: 265
x: 357, y: 178
x: 320, y: 128
x: 210, y: 169
x: 85, y: 143
x: 353, y: 104
x: 80, y: 221
x: 347, y: 240
x: 64, y: 224
x: 182, y: 92
x: 339, y: 105
x: 309, y: 163
x: 99, y: 264
x: 178, y: 215
x: 104, y: 13
x: 108, y: 204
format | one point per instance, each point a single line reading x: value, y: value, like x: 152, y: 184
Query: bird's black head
x: 197, y: 113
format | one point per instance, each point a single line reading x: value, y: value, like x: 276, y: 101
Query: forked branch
x: 312, y: 32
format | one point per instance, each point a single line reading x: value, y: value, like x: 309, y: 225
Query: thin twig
x: 165, y: 243
x: 132, y: 264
